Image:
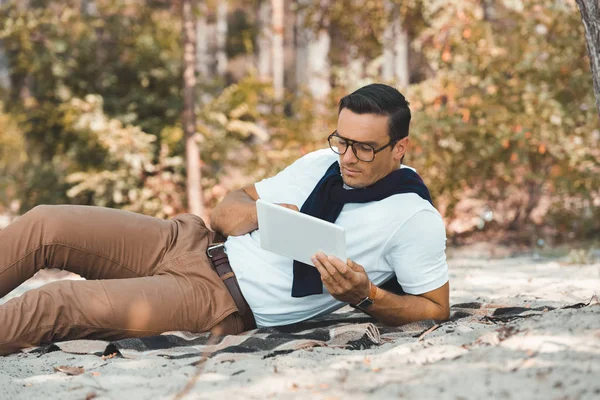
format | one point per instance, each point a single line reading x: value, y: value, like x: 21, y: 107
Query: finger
x: 354, y: 266
x: 352, y: 272
x: 344, y: 277
x: 335, y: 270
x: 357, y: 273
x: 341, y: 266
x: 329, y: 282
x: 288, y: 206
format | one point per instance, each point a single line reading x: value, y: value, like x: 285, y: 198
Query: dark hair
x: 381, y: 99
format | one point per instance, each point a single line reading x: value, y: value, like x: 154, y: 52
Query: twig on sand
x: 594, y: 298
x: 212, y: 340
x: 428, y: 331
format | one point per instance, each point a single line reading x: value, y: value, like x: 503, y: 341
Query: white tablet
x: 296, y: 235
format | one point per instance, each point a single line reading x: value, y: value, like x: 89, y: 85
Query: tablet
x: 296, y: 235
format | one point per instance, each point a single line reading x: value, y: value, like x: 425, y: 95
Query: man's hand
x: 345, y: 281
x: 348, y: 282
x: 236, y: 214
x: 290, y: 206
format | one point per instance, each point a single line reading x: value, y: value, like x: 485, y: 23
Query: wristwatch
x: 365, y: 303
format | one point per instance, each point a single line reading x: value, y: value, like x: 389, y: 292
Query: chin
x: 353, y: 183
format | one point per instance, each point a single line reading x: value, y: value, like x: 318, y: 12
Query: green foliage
x: 505, y: 133
x: 243, y: 137
x: 129, y: 177
x: 12, y: 156
x: 509, y: 118
x: 56, y: 54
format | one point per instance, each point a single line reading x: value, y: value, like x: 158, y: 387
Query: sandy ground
x: 552, y: 356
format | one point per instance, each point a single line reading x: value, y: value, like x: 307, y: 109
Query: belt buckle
x: 212, y: 247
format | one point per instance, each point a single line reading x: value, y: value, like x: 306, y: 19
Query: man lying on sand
x: 145, y: 276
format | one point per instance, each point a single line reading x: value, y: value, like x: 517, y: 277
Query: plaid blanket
x: 346, y: 329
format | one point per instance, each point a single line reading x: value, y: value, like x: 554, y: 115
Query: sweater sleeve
x: 296, y: 182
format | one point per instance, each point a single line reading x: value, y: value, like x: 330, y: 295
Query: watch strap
x: 367, y: 301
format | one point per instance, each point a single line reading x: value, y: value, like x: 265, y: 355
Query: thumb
x: 354, y: 266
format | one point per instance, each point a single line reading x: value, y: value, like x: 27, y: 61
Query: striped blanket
x: 346, y: 329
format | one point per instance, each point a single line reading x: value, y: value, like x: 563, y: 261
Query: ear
x: 400, y: 148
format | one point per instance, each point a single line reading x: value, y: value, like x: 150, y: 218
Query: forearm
x: 235, y: 215
x: 395, y: 310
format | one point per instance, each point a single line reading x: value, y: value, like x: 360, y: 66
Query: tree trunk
x: 319, y: 73
x: 88, y: 7
x: 263, y: 42
x: 192, y: 151
x: 4, y: 74
x: 395, y: 48
x: 489, y: 10
x: 222, y: 38
x: 278, y: 65
x: 356, y: 65
x: 289, y: 47
x: 202, y: 39
x: 312, y: 51
x: 402, y: 72
x: 302, y: 38
x: 387, y: 68
x: 590, y: 14
x: 22, y: 5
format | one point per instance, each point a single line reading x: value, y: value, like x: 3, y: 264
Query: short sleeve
x: 417, y: 253
x: 293, y: 184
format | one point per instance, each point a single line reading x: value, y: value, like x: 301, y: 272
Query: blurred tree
x: 4, y: 73
x: 489, y: 10
x: 264, y: 62
x: 396, y: 44
x: 221, y: 35
x: 277, y: 47
x: 504, y: 133
x: 192, y: 151
x: 56, y: 52
x: 131, y: 176
x: 313, y: 67
x: 515, y: 108
x: 12, y: 157
x: 202, y: 43
x: 590, y: 14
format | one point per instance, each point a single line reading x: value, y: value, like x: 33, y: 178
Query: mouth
x: 350, y: 172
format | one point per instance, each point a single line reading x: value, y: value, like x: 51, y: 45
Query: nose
x: 349, y: 157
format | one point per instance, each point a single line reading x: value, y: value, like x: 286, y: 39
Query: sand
x: 555, y: 355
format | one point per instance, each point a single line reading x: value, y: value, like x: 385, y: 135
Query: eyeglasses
x: 363, y: 151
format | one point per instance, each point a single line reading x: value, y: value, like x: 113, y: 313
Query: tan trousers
x: 144, y: 276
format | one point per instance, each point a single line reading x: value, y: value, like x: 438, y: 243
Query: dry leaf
x: 109, y: 356
x: 69, y: 370
x: 490, y: 338
x: 446, y: 56
x: 542, y: 149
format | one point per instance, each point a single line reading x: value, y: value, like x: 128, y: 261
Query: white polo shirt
x: 402, y: 235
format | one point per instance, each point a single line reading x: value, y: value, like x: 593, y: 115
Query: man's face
x: 371, y: 129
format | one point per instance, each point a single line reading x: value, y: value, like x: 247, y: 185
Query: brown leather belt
x: 220, y: 263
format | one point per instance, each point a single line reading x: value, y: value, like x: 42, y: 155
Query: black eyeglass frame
x: 351, y: 143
